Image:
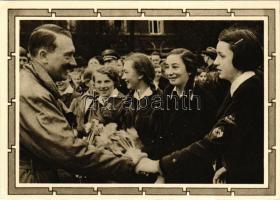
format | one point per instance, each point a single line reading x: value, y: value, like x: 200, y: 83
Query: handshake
x: 144, y: 165
x: 122, y: 143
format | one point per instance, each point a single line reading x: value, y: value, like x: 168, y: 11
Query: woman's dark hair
x: 247, y: 50
x: 189, y: 59
x: 143, y: 66
x: 111, y: 73
x: 44, y: 37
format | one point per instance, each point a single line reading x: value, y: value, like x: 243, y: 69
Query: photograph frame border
x: 14, y: 13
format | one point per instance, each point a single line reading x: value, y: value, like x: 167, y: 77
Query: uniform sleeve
x: 45, y: 132
x: 243, y: 115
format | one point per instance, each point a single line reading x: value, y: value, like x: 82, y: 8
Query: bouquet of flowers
x: 120, y: 142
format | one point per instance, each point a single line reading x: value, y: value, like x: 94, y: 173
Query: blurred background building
x: 92, y: 37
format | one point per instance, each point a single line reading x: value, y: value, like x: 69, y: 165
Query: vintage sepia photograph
x: 141, y: 101
x: 136, y: 100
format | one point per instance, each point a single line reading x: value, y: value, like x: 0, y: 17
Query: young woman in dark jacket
x: 186, y: 116
x: 139, y: 74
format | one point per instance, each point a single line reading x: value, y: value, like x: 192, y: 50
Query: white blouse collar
x: 148, y: 92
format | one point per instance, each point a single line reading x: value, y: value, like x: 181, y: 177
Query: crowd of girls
x: 192, y: 131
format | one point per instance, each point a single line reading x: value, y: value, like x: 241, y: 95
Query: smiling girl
x: 104, y: 104
x: 139, y: 75
x: 177, y: 125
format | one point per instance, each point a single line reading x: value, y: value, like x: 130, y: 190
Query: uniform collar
x: 239, y: 80
x: 175, y: 91
x: 148, y: 92
x: 40, y: 73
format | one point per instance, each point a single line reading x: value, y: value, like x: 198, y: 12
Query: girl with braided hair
x: 139, y: 75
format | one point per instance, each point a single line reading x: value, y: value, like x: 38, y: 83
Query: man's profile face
x: 61, y: 59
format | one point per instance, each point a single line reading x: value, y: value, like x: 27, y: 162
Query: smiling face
x: 103, y: 84
x: 176, y: 71
x: 224, y: 62
x: 130, y: 75
x: 59, y: 61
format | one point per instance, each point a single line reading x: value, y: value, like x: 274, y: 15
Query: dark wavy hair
x: 143, y: 66
x: 247, y: 50
x: 44, y: 37
x: 189, y: 59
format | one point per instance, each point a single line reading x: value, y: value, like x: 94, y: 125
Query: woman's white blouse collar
x: 148, y: 92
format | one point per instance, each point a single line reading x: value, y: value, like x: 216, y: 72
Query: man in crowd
x: 155, y: 58
x: 23, y: 58
x: 111, y: 58
x: 47, y: 141
x: 209, y: 56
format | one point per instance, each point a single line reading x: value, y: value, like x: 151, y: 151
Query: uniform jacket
x: 239, y: 143
x: 163, y: 83
x: 178, y: 128
x: 179, y: 125
x: 47, y: 142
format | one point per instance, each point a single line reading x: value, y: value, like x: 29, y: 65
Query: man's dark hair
x: 211, y: 52
x: 44, y: 37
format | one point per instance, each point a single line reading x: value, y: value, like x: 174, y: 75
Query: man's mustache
x: 69, y: 66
